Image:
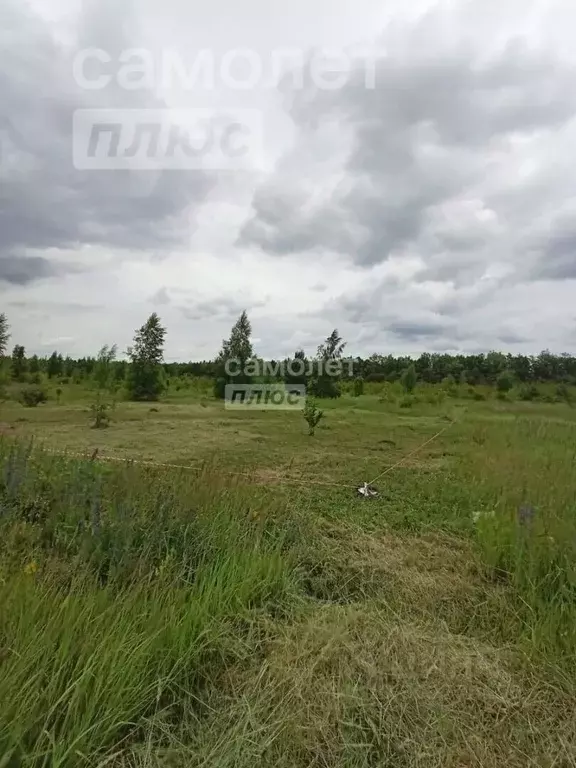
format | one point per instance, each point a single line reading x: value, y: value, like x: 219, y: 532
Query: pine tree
x: 145, y: 378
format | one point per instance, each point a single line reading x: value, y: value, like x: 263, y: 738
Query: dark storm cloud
x: 46, y: 202
x: 23, y: 270
x: 423, y: 138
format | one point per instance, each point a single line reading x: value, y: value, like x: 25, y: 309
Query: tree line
x: 145, y: 373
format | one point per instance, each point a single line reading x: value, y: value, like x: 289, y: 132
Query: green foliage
x: 32, y: 396
x: 563, y: 394
x: 100, y: 413
x: 296, y: 369
x: 358, y: 387
x: 123, y: 592
x: 34, y: 364
x: 505, y: 382
x: 103, y: 373
x: 323, y: 383
x: 18, y: 362
x: 324, y: 387
x: 237, y: 351
x: 55, y: 365
x: 332, y: 347
x: 450, y: 386
x: 409, y: 379
x: 528, y: 392
x: 312, y: 415
x: 146, y: 378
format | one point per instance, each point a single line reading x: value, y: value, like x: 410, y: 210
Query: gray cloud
x: 414, y: 329
x: 24, y: 270
x: 219, y: 308
x: 46, y: 202
x: 559, y: 252
x: 441, y: 129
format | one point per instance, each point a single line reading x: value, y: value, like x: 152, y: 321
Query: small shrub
x: 563, y: 394
x: 406, y: 402
x: 528, y: 392
x: 358, y: 387
x: 99, y: 410
x: 409, y: 379
x: 312, y: 416
x: 504, y: 382
x: 32, y: 396
x: 324, y: 387
x: 449, y: 385
x: 58, y: 395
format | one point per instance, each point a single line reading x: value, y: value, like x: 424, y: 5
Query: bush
x: 528, y: 392
x: 563, y: 394
x: 312, y: 416
x: 33, y: 396
x: 409, y: 379
x: 220, y: 388
x: 324, y: 387
x: 505, y: 382
x: 449, y: 384
x: 99, y: 410
x: 358, y: 387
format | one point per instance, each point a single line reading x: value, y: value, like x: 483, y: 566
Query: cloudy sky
x: 410, y: 176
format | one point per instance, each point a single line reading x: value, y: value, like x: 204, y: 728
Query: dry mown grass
x: 351, y: 686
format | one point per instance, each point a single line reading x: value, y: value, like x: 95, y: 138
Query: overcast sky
x: 424, y: 200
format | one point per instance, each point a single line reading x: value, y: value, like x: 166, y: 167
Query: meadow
x: 195, y: 586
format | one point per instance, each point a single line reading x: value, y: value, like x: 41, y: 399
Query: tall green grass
x: 525, y: 482
x: 122, y: 591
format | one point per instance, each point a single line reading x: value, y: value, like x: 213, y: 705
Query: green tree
x: 324, y: 383
x: 233, y: 357
x: 409, y: 379
x: 103, y: 373
x: 4, y: 334
x: 55, y: 365
x: 332, y: 347
x: 34, y: 364
x: 145, y: 378
x: 18, y: 362
x: 295, y: 372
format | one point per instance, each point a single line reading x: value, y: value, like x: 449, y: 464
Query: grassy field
x: 253, y: 610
